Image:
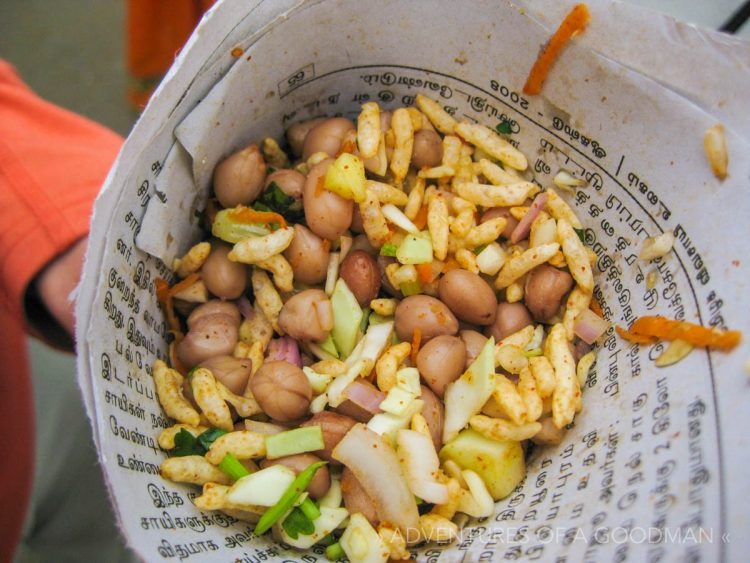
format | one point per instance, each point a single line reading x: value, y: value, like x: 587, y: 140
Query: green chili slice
x: 335, y: 552
x: 232, y: 467
x: 288, y: 499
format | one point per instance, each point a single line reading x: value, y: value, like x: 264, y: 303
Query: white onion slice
x: 589, y: 326
x: 376, y: 467
x: 420, y: 462
x: 397, y: 217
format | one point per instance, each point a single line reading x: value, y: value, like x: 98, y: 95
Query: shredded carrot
x: 450, y: 264
x: 695, y: 334
x: 596, y: 308
x: 635, y: 338
x: 347, y: 146
x: 575, y: 22
x: 320, y: 186
x: 174, y: 361
x: 416, y: 340
x: 243, y: 214
x: 166, y: 294
x: 425, y: 272
x: 420, y: 219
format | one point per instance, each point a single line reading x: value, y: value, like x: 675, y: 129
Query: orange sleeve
x: 52, y: 165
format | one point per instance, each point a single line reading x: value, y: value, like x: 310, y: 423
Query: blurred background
x: 73, y: 53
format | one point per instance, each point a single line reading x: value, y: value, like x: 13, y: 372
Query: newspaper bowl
x: 654, y: 466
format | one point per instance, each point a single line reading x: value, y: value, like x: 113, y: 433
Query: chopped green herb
x: 274, y: 199
x: 186, y: 444
x: 580, y: 234
x: 479, y: 248
x: 335, y: 552
x: 288, y: 499
x: 298, y: 523
x: 388, y: 249
x: 209, y: 437
x: 504, y: 128
x: 310, y: 509
x: 232, y: 467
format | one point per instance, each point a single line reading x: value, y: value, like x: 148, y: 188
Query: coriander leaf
x: 186, y: 444
x: 209, y: 437
x: 504, y: 128
x: 580, y: 234
x: 297, y: 523
x: 388, y: 249
x: 479, y: 248
x: 274, y: 199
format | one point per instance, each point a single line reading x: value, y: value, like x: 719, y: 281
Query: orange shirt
x: 52, y: 165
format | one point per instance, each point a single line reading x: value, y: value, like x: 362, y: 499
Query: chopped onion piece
x: 656, y: 247
x: 420, y: 463
x: 589, y: 326
x: 336, y: 390
x: 375, y: 465
x: 345, y: 245
x: 361, y: 543
x: 245, y: 307
x: 524, y: 225
x: 397, y: 217
x: 564, y: 180
x: 365, y: 395
x: 371, y: 346
x: 286, y: 349
x: 491, y: 259
x: 482, y: 497
x: 318, y: 404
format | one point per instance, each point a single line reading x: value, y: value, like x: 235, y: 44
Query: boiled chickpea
x: 383, y: 262
x: 427, y: 149
x: 307, y: 316
x: 326, y: 136
x: 214, y: 307
x: 474, y: 342
x: 282, y: 390
x: 356, y: 498
x: 328, y: 215
x: 209, y: 335
x: 510, y: 318
x: 223, y: 277
x: 238, y: 179
x: 362, y: 276
x: 308, y: 255
x: 296, y: 134
x: 291, y: 182
x: 431, y: 316
x: 433, y: 412
x: 496, y: 212
x: 468, y: 296
x: 441, y: 361
x: 545, y: 288
x: 232, y: 372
